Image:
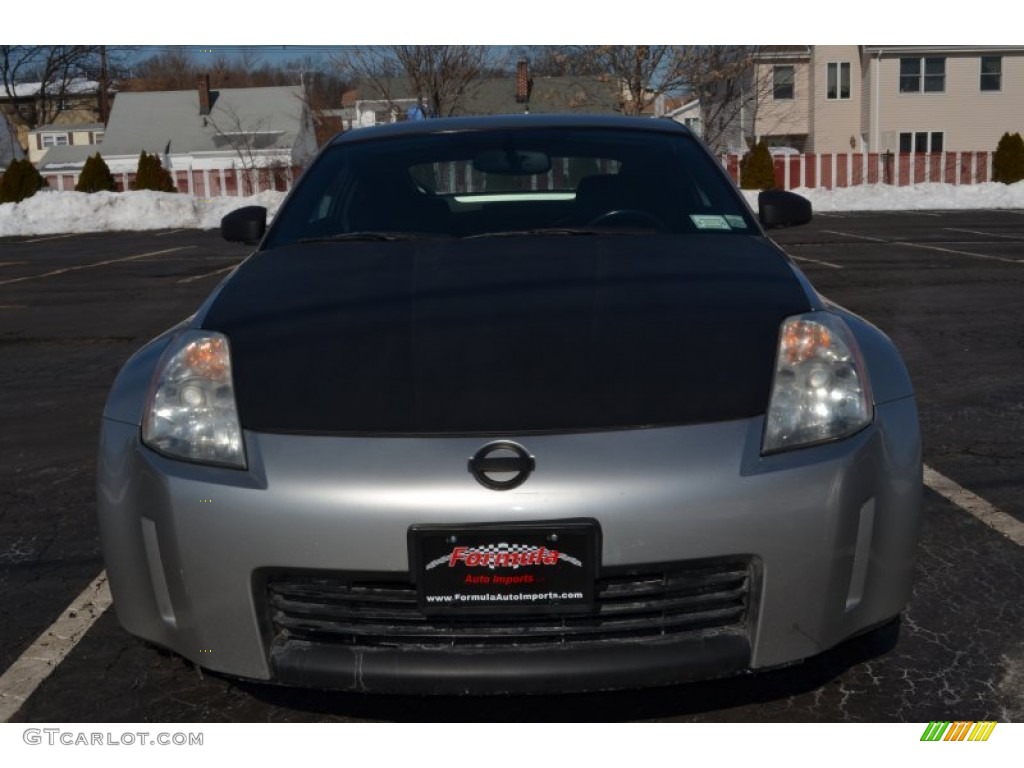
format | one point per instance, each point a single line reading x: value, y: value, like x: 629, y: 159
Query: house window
x: 838, y: 80
x: 55, y: 139
x: 782, y: 82
x: 97, y: 138
x: 921, y: 141
x: 927, y: 74
x: 991, y: 73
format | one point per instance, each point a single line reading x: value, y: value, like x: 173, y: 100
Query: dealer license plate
x: 505, y: 568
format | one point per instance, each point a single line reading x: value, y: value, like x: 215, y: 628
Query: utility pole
x: 104, y: 86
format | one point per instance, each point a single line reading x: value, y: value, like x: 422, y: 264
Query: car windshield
x: 508, y: 182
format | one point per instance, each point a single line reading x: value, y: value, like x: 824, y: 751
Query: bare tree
x: 439, y: 77
x: 248, y: 140
x: 645, y: 72
x: 721, y: 76
x: 562, y: 61
x: 58, y: 70
x: 173, y: 69
x: 724, y: 78
x: 254, y: 140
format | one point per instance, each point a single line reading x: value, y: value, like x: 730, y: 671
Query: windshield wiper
x: 364, y: 236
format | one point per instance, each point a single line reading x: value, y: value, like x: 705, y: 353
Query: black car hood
x: 505, y: 334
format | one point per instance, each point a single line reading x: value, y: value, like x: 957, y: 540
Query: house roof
x: 10, y: 149
x: 65, y: 127
x: 168, y: 122
x: 496, y: 96
x: 584, y: 95
x: 771, y: 52
x: 682, y: 109
x: 923, y: 49
x: 73, y: 87
x: 67, y: 158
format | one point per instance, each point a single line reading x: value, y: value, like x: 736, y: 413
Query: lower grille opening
x: 691, y: 599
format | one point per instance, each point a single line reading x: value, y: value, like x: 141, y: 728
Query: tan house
x: 28, y: 104
x: 911, y: 98
x: 59, y: 135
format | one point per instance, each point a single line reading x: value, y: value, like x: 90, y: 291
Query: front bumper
x: 830, y: 533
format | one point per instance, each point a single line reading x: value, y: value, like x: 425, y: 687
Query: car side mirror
x: 245, y: 225
x: 778, y: 208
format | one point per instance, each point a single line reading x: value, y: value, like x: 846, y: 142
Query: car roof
x: 505, y: 122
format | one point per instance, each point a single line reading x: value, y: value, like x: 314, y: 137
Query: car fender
x: 887, y: 372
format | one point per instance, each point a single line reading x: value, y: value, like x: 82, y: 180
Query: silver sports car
x: 514, y: 404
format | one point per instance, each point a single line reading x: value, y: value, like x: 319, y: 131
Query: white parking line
x: 172, y: 232
x: 859, y: 237
x: 90, y: 266
x: 993, y: 517
x: 928, y: 247
x: 207, y: 274
x: 986, y: 234
x: 51, y: 647
x: 816, y: 261
x: 959, y: 253
x: 10, y: 263
x: 54, y: 237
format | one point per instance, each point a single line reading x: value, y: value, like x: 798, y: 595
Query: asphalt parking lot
x: 946, y: 286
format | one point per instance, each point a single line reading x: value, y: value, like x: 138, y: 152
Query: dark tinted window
x: 472, y: 183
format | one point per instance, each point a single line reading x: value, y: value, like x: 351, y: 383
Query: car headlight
x: 820, y: 391
x: 191, y: 413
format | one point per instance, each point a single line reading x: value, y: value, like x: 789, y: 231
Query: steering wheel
x: 624, y: 217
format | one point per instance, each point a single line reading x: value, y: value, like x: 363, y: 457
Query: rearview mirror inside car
x: 511, y: 162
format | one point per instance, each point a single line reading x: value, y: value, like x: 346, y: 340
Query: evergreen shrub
x: 1008, y: 162
x: 152, y: 175
x: 96, y: 176
x: 757, y: 169
x: 21, y: 180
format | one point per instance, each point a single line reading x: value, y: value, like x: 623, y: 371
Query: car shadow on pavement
x: 675, y: 702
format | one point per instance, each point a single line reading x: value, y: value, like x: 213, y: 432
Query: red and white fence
x: 229, y: 182
x: 821, y: 170
x: 825, y: 170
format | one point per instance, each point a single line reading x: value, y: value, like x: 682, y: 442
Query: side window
x: 921, y: 142
x: 782, y: 81
x: 991, y: 73
x: 838, y: 80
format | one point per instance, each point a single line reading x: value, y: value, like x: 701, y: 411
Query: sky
x: 321, y: 23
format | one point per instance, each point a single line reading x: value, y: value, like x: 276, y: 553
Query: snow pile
x: 51, y: 213
x: 921, y: 197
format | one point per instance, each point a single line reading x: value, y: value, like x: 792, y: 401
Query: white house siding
x: 866, y: 94
x: 969, y: 118
x: 835, y: 121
